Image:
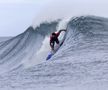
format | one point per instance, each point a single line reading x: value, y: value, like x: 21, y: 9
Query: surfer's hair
x: 53, y: 33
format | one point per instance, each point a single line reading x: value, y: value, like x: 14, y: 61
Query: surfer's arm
x: 60, y: 32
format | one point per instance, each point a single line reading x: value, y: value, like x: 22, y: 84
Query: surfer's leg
x: 52, y: 45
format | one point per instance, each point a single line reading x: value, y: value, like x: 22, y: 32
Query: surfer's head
x: 53, y: 34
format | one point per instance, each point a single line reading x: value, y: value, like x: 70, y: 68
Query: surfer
x: 54, y: 38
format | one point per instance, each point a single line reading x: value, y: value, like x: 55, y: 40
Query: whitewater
x: 81, y: 63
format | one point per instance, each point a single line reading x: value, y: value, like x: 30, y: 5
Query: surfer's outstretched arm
x: 60, y: 32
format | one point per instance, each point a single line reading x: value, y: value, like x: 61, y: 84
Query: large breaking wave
x: 84, y: 34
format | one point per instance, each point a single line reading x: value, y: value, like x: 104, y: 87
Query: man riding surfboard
x: 54, y: 38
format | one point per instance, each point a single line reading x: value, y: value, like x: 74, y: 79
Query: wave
x: 85, y: 33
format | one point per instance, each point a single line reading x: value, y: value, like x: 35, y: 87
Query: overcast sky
x: 17, y: 15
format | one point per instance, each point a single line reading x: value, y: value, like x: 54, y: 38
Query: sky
x: 17, y: 15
